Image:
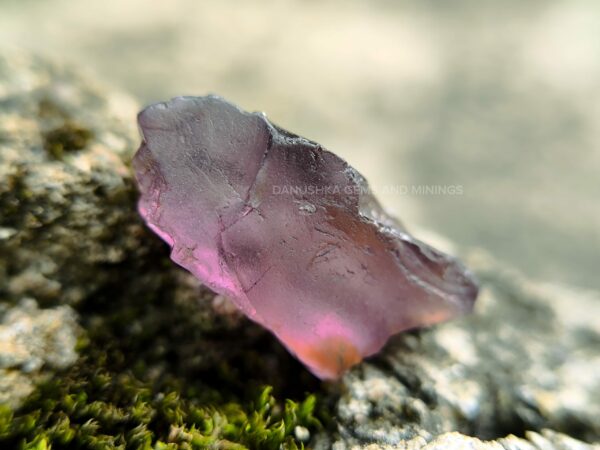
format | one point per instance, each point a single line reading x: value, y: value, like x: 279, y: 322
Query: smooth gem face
x: 289, y: 232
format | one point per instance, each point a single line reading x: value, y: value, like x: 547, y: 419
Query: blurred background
x: 499, y: 100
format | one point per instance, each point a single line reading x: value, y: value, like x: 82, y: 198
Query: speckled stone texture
x: 31, y: 341
x: 526, y: 360
x: 63, y: 183
x: 525, y: 363
x: 63, y: 188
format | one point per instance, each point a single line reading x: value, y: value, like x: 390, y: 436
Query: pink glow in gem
x: 289, y: 232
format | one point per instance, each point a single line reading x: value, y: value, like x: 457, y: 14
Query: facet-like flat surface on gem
x: 290, y: 232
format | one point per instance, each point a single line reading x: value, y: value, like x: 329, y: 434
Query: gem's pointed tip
x: 328, y: 358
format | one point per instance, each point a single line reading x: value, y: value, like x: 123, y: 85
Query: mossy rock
x: 159, y: 367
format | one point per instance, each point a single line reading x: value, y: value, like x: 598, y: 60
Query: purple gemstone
x: 289, y: 232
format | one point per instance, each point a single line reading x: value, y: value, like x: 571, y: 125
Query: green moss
x: 13, y: 194
x: 62, y: 134
x: 98, y: 410
x: 68, y: 137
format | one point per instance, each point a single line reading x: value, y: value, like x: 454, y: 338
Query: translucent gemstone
x: 288, y: 231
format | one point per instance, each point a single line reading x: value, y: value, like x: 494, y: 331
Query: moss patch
x: 68, y: 137
x: 100, y: 410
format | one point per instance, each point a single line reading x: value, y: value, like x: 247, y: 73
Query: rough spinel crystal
x: 289, y: 232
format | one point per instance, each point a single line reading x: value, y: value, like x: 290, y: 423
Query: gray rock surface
x: 64, y: 182
x: 31, y: 341
x: 62, y: 142
x: 520, y: 373
x: 526, y: 360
